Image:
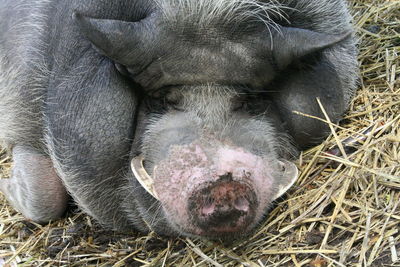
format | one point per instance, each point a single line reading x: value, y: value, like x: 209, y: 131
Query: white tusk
x: 142, y: 176
x: 289, y: 177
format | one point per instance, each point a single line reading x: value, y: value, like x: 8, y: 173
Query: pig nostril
x: 226, y: 206
x: 242, y: 204
x: 208, y: 208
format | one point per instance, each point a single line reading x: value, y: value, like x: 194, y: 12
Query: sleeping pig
x: 173, y: 116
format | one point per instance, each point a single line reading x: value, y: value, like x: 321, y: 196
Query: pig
x: 172, y: 116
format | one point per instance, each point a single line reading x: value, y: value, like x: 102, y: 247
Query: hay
x: 343, y: 211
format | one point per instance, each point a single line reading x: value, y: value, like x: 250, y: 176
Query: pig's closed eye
x: 173, y: 105
x: 240, y: 104
x: 161, y: 102
x: 173, y: 99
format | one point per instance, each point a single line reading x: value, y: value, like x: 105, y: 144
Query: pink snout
x: 213, y: 189
x: 223, y: 206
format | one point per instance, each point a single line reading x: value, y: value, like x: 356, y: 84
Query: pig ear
x: 288, y: 178
x: 121, y: 41
x: 293, y: 43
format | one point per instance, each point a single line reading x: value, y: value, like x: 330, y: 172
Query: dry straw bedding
x: 343, y: 211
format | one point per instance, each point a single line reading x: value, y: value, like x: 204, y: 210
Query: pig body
x: 203, y: 90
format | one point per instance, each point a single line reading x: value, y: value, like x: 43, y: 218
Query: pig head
x: 214, y: 146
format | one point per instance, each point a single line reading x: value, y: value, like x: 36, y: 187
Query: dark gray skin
x: 85, y: 86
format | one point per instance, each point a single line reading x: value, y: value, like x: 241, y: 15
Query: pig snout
x: 223, y: 206
x: 213, y: 189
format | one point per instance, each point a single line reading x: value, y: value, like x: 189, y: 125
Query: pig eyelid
x: 161, y: 102
x: 175, y: 105
x: 160, y: 92
x: 239, y: 105
x: 177, y: 108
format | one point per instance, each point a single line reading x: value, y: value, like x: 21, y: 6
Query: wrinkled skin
x: 87, y: 86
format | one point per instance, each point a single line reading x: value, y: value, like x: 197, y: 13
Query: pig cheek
x: 263, y: 180
x: 174, y: 180
x: 171, y: 193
